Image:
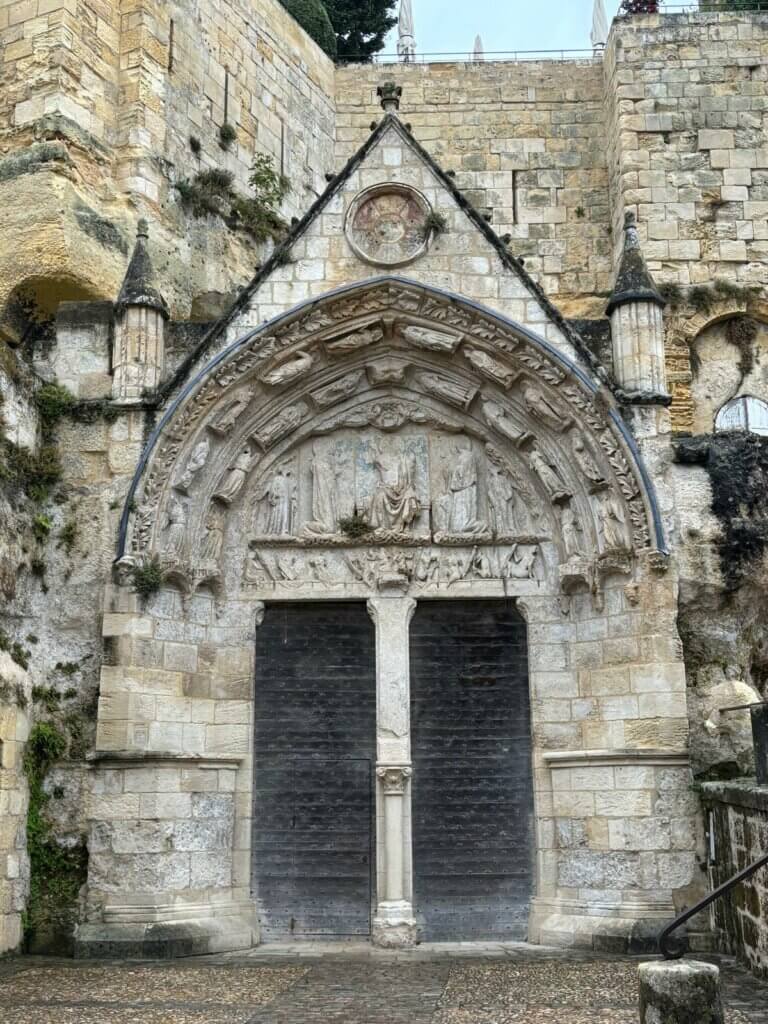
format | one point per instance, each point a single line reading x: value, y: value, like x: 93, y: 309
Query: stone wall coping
x: 586, y: 758
x: 142, y: 759
x: 737, y: 792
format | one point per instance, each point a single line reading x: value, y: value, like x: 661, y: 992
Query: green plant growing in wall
x: 355, y: 526
x: 435, y: 224
x: 53, y: 402
x: 41, y: 527
x: 56, y: 872
x: 68, y: 535
x: 227, y: 135
x: 147, y: 577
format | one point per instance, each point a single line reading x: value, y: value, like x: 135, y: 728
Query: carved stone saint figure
x: 498, y: 419
x: 544, y: 409
x: 548, y: 475
x: 213, y: 539
x: 195, y: 463
x: 297, y: 366
x: 176, y: 530
x: 234, y: 480
x: 612, y: 521
x: 326, y: 470
x: 586, y: 462
x: 462, y: 486
x: 233, y: 410
x: 501, y: 501
x: 280, y: 496
x: 572, y: 533
x: 394, y: 504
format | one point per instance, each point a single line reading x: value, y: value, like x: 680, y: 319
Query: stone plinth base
x: 165, y: 940
x: 621, y: 930
x: 680, y: 992
x: 394, y: 926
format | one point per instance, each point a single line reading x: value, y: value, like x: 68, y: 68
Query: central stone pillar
x: 394, y: 924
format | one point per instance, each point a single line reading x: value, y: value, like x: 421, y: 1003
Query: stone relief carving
x: 195, y: 463
x: 572, y: 532
x: 549, y: 476
x: 498, y: 372
x: 213, y: 538
x: 386, y: 371
x: 354, y: 342
x: 297, y: 366
x: 545, y: 410
x: 282, y: 424
x: 451, y: 391
x: 326, y: 470
x: 234, y: 480
x: 612, y: 522
x: 455, y: 512
x: 176, y: 531
x: 585, y: 461
x: 598, y: 453
x: 394, y: 780
x: 394, y: 505
x: 233, y: 410
x: 337, y: 390
x: 432, y: 341
x: 496, y: 417
x: 278, y: 500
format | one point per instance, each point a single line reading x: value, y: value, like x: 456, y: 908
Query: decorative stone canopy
x: 138, y: 288
x: 633, y: 282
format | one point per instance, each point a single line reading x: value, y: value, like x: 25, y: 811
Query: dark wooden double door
x: 314, y: 785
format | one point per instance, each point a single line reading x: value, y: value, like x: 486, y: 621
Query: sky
x: 450, y: 26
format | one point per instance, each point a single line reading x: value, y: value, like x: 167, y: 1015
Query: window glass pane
x: 744, y: 413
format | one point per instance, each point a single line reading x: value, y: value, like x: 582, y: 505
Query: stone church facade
x: 438, y: 611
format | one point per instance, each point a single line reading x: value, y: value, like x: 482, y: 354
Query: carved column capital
x: 394, y: 778
x: 389, y: 602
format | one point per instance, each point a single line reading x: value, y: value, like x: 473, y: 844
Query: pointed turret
x: 139, y: 345
x: 637, y: 324
x: 406, y: 39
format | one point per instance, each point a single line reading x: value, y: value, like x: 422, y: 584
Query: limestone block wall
x: 739, y: 819
x: 95, y: 124
x: 14, y: 864
x: 527, y: 143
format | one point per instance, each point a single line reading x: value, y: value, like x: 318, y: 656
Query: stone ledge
x: 601, y: 758
x: 157, y: 759
x: 736, y: 792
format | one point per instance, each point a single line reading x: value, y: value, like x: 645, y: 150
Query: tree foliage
x: 360, y: 26
x: 639, y: 7
x: 313, y: 18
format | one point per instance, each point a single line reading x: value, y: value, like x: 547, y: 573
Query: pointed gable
x: 462, y: 254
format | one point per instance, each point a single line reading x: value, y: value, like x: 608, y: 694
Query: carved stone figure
x: 433, y: 341
x: 548, y: 475
x: 612, y: 520
x: 428, y: 567
x: 233, y: 410
x: 386, y: 371
x: 544, y: 409
x: 337, y: 391
x: 501, y: 501
x: 213, y: 538
x: 288, y: 568
x: 326, y: 470
x: 491, y: 367
x: 449, y: 390
x: 282, y: 424
x: 480, y: 564
x: 195, y: 463
x: 572, y: 533
x: 354, y: 342
x: 318, y: 568
x: 297, y: 366
x: 520, y: 563
x: 176, y: 530
x: 234, y: 480
x: 463, y: 486
x: 394, y: 505
x: 496, y: 417
x: 586, y: 463
x: 280, y: 496
x: 457, y: 569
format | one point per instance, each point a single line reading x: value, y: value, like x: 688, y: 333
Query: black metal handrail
x: 670, y: 953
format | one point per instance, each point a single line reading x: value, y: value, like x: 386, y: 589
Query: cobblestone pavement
x: 504, y: 985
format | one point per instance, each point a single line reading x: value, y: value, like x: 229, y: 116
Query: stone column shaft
x: 394, y: 923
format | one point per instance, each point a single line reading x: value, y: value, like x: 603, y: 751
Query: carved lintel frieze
x: 394, y: 778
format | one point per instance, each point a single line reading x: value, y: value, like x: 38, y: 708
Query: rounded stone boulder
x: 680, y: 992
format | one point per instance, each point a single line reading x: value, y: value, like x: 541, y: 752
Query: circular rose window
x: 386, y: 225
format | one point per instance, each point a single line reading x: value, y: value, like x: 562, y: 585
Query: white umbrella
x: 599, y: 34
x: 406, y: 40
x: 479, y: 52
